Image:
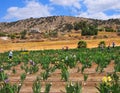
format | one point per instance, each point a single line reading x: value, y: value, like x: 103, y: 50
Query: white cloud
x: 99, y: 15
x: 32, y: 9
x: 101, y: 5
x: 71, y: 3
x: 96, y: 9
x: 93, y: 9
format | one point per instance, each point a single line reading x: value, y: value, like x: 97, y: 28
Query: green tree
x: 86, y: 28
x: 23, y: 34
x: 109, y: 29
x: 102, y: 44
x: 89, y: 30
x: 68, y: 27
x: 82, y: 44
x: 80, y: 25
x: 2, y: 34
x: 53, y: 33
x: 76, y: 26
x: 12, y: 36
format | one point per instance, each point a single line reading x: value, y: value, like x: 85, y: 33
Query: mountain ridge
x: 51, y: 23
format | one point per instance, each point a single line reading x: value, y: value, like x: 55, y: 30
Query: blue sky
x: 13, y: 10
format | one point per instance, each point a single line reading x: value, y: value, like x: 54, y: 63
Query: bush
x: 76, y: 26
x: 109, y: 29
x: 86, y: 28
x: 89, y: 30
x: 102, y: 44
x: 53, y: 34
x: 23, y: 34
x: 68, y: 27
x: 2, y: 34
x: 12, y: 36
x: 82, y: 44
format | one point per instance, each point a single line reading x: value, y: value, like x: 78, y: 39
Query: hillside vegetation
x: 56, y: 27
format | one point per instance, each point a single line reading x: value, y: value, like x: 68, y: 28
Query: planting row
x: 63, y: 60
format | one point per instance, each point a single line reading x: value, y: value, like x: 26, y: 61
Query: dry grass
x: 6, y: 46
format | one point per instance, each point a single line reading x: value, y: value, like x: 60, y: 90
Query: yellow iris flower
x: 104, y: 79
x: 107, y: 80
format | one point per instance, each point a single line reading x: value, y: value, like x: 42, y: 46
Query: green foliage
x: 100, y: 29
x: 70, y: 61
x: 76, y: 26
x: 12, y: 36
x: 73, y: 87
x: 85, y: 77
x: 23, y: 34
x: 45, y: 75
x: 82, y: 44
x: 5, y: 86
x: 14, y: 71
x: 47, y: 88
x: 102, y: 44
x: 89, y: 30
x: 68, y: 27
x: 23, y: 76
x: 2, y: 34
x: 36, y: 86
x: 118, y: 30
x: 64, y: 74
x: 8, y: 88
x: 53, y: 34
x: 50, y: 60
x: 109, y: 84
x: 86, y: 28
x: 109, y: 29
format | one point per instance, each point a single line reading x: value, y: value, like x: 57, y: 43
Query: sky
x: 13, y: 10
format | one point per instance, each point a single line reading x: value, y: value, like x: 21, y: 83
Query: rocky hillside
x: 57, y: 23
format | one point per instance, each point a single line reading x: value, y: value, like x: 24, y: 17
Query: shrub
x: 82, y: 44
x: 89, y: 30
x: 102, y: 44
x: 2, y: 34
x: 68, y: 27
x: 109, y: 29
x: 53, y: 34
x: 23, y: 34
x: 12, y: 36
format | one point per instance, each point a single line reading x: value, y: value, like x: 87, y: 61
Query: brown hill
x: 49, y: 26
x: 51, y: 23
x: 43, y: 23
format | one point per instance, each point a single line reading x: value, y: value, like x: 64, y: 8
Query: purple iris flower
x: 6, y: 80
x: 1, y: 69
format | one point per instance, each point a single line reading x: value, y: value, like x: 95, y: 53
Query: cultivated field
x: 59, y: 67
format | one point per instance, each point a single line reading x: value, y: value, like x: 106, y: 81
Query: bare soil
x: 58, y: 85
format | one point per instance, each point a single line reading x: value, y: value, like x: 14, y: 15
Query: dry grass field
x: 6, y: 46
